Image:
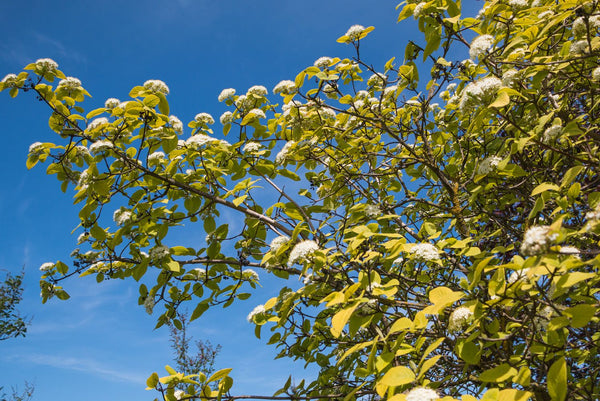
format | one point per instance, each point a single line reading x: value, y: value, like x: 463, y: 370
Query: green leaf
x: 580, y: 314
x: 173, y: 266
x: 512, y: 394
x: 498, y: 374
x: 544, y: 187
x: 570, y: 175
x: 339, y: 320
x: 397, y: 376
x: 557, y: 380
x: 219, y: 375
x: 152, y: 381
x: 501, y: 100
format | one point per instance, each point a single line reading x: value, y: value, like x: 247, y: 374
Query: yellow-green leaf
x: 397, y: 376
x: 557, y: 380
x: 339, y: 320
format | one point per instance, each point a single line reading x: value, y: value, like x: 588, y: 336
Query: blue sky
x: 99, y: 344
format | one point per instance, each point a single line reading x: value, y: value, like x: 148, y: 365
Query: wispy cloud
x: 57, y: 47
x: 87, y: 365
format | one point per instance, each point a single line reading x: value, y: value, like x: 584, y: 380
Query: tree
x: 11, y: 321
x: 445, y: 229
x: 186, y: 362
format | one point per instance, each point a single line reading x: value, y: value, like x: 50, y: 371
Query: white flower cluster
x: 243, y: 102
x: 552, y: 132
x: 256, y: 311
x: 285, y: 87
x: 488, y: 165
x: 376, y: 81
x: 156, y: 86
x: 176, y: 124
x: 578, y: 47
x: 258, y: 90
x: 159, y: 252
x: 322, y: 62
x: 251, y: 147
x: 459, y: 318
x: 199, y: 140
x: 479, y: 90
x: 46, y: 64
x: 422, y: 394
x: 257, y: 113
x: 510, y: 77
x: 480, y: 46
x: 83, y: 237
x: 122, y: 216
x: 372, y: 211
x: 226, y: 117
x: 226, y: 94
x: 424, y: 251
x: 354, y: 32
x: 84, y: 179
x: 46, y: 266
x: 596, y: 74
x: 111, y: 103
x: 70, y: 83
x: 36, y: 148
x: 10, y: 80
x: 97, y: 122
x: 517, y: 276
x: 418, y: 11
x: 518, y: 4
x: 278, y: 242
x: 249, y: 274
x: 301, y: 251
x: 282, y: 155
x: 101, y: 146
x: 204, y: 118
x: 593, y: 215
x: 569, y: 250
x: 156, y: 157
x: 199, y: 273
x: 178, y: 394
x: 536, y: 240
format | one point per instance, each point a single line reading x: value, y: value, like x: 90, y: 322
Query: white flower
x: 372, y: 286
x: 70, y: 83
x: 517, y: 276
x: 579, y: 27
x: 518, y: 4
x: 579, y: 47
x: 424, y: 251
x: 596, y: 74
x: 176, y: 124
x: 226, y: 117
x: 282, y: 155
x: 258, y: 113
x: 488, y: 165
x: 552, y: 132
x: 46, y: 64
x: 250, y: 274
x: 101, y: 146
x: 159, y: 252
x: 178, y: 394
x: 156, y: 86
x: 536, y: 240
x: 570, y: 250
x: 122, y: 216
x: 251, y: 147
x: 372, y: 210
x: 156, y: 156
x: 509, y: 77
x: 285, y: 87
x: 480, y: 46
x: 111, y: 103
x: 545, y: 14
x: 459, y: 318
x: 226, y: 94
x: 256, y: 311
x: 354, y: 32
x: 421, y: 394
x: 322, y: 62
x: 46, y: 266
x: 82, y: 238
x: 97, y: 122
x: 258, y: 90
x: 327, y: 113
x: 278, y: 242
x: 198, y: 140
x: 149, y: 304
x: 479, y: 90
x: 10, y: 80
x: 593, y: 215
x: 36, y: 147
x: 204, y: 118
x: 419, y: 10
x: 301, y: 251
x: 376, y: 80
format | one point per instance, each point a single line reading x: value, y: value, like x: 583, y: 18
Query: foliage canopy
x: 442, y: 214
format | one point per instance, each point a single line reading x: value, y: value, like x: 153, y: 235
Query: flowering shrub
x: 438, y: 217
